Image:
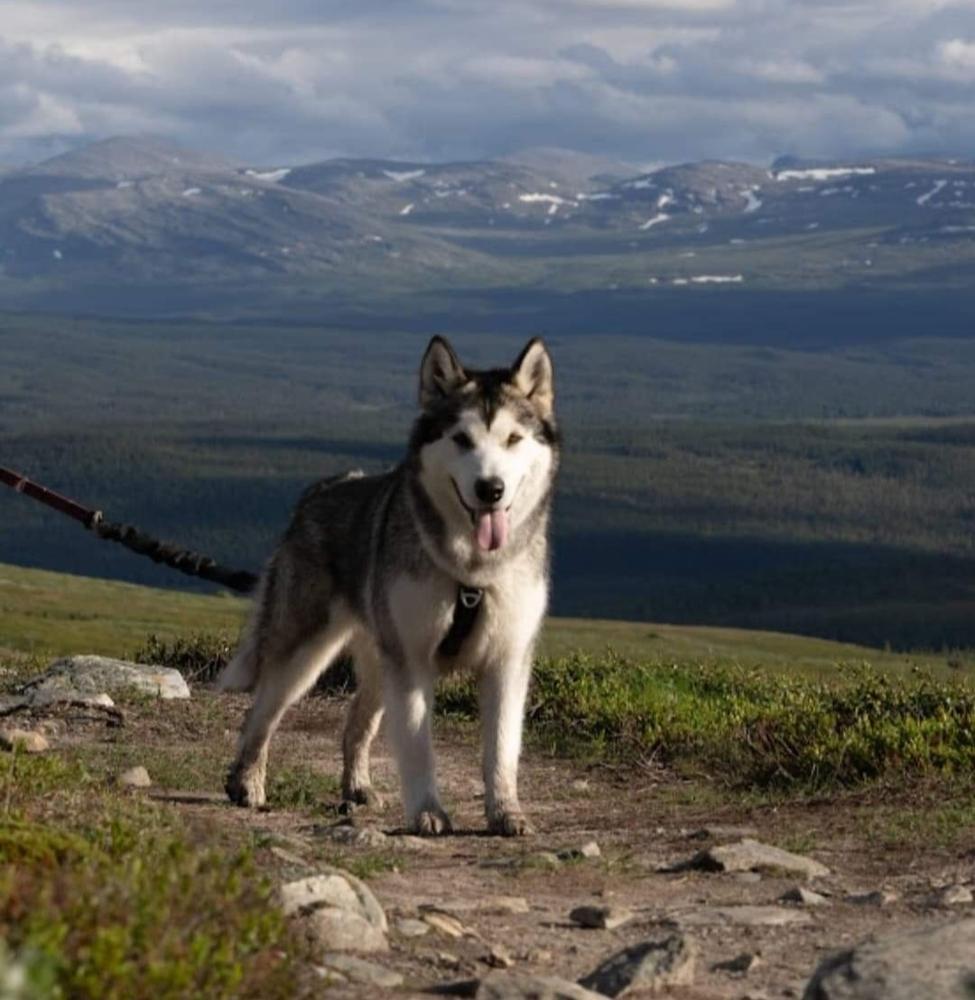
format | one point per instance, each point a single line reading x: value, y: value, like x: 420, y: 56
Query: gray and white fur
x: 372, y: 565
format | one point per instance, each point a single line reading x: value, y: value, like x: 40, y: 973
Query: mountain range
x: 141, y: 219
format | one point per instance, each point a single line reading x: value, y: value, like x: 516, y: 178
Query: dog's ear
x: 533, y: 375
x: 441, y: 372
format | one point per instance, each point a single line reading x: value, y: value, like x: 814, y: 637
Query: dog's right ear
x: 441, y: 372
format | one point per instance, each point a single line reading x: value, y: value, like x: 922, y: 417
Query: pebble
x: 135, y: 777
x: 803, y: 896
x: 602, y: 917
x: 953, y: 895
x: 24, y: 740
x: 590, y: 849
x: 410, y: 928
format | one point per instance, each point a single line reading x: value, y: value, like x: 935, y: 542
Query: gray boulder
x: 649, y: 965
x: 933, y: 963
x: 76, y: 678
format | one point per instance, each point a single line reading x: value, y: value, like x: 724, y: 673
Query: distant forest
x: 828, y: 490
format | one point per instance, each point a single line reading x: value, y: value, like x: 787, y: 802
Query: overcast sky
x: 645, y: 80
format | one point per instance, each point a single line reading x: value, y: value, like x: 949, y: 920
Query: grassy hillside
x: 46, y: 613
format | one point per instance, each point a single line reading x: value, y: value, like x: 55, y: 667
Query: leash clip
x: 470, y: 597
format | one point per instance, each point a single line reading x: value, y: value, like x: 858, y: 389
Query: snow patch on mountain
x: 925, y: 198
x: 824, y: 173
x: 271, y: 176
x: 399, y: 176
x: 656, y: 220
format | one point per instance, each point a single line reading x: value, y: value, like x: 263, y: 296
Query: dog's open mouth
x: 490, y: 523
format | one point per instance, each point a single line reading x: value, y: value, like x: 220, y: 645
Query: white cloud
x: 642, y: 79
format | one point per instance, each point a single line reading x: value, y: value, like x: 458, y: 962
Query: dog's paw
x: 245, y: 789
x: 509, y: 823
x: 432, y: 822
x: 361, y: 798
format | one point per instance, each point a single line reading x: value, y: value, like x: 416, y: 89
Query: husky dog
x: 441, y: 563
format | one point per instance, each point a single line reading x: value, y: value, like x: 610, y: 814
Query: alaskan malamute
x: 438, y: 564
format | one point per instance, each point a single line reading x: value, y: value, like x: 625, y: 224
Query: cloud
x: 638, y: 79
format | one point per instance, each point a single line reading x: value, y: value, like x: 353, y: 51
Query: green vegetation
x: 105, y: 896
x: 748, y: 727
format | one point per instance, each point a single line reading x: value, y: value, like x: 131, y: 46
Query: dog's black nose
x: 489, y: 490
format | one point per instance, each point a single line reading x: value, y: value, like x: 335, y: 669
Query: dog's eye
x: 463, y: 440
x: 513, y: 439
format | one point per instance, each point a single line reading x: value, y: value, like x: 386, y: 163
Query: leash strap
x: 465, y: 615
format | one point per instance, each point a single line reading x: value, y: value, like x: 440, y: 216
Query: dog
x: 439, y: 564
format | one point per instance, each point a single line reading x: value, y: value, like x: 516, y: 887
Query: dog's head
x: 486, y: 442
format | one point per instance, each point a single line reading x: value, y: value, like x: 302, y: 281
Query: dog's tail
x: 241, y: 673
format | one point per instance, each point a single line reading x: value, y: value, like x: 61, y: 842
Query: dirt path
x: 641, y: 821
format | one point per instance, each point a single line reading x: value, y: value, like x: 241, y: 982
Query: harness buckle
x: 470, y: 597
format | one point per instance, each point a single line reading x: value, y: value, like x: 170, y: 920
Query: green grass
x: 748, y: 727
x: 47, y: 613
x: 103, y: 895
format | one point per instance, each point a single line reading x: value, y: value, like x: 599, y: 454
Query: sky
x: 644, y: 81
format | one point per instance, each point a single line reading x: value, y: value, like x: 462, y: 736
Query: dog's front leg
x: 409, y: 709
x: 502, y: 691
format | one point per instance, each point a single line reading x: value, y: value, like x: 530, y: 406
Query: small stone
x: 358, y: 970
x: 498, y: 957
x: 336, y: 929
x: 485, y: 904
x: 650, y: 965
x: 444, y: 923
x: 803, y: 896
x: 953, y: 895
x: 580, y: 785
x: 750, y: 855
x: 879, y: 897
x: 23, y: 740
x: 602, y: 917
x: 353, y: 836
x: 447, y: 960
x: 542, y: 859
x: 720, y: 831
x: 135, y: 777
x: 740, y: 964
x: 590, y: 849
x: 745, y: 916
x: 410, y: 928
x: 522, y: 986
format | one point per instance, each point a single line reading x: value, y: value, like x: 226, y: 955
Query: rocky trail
x: 635, y: 882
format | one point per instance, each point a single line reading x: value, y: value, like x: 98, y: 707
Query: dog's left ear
x: 533, y: 375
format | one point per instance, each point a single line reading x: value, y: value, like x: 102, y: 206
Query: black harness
x: 466, y: 606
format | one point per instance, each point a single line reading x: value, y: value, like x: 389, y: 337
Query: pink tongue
x: 492, y: 529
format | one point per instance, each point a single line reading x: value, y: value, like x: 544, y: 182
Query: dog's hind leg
x: 361, y: 725
x: 284, y: 676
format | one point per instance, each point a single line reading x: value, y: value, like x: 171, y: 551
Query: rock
x: 499, y: 957
x: 337, y: 911
x: 521, y: 986
x: 410, y: 928
x: 353, y: 836
x: 740, y: 964
x: 23, y: 740
x: 879, y: 897
x: 649, y: 965
x: 590, y: 849
x: 358, y: 970
x: 603, y: 917
x: 751, y: 855
x: 745, y: 916
x: 933, y: 963
x: 719, y: 831
x: 803, y: 896
x: 445, y: 923
x: 485, y: 904
x: 337, y: 929
x: 953, y: 895
x: 74, y: 678
x: 135, y: 777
